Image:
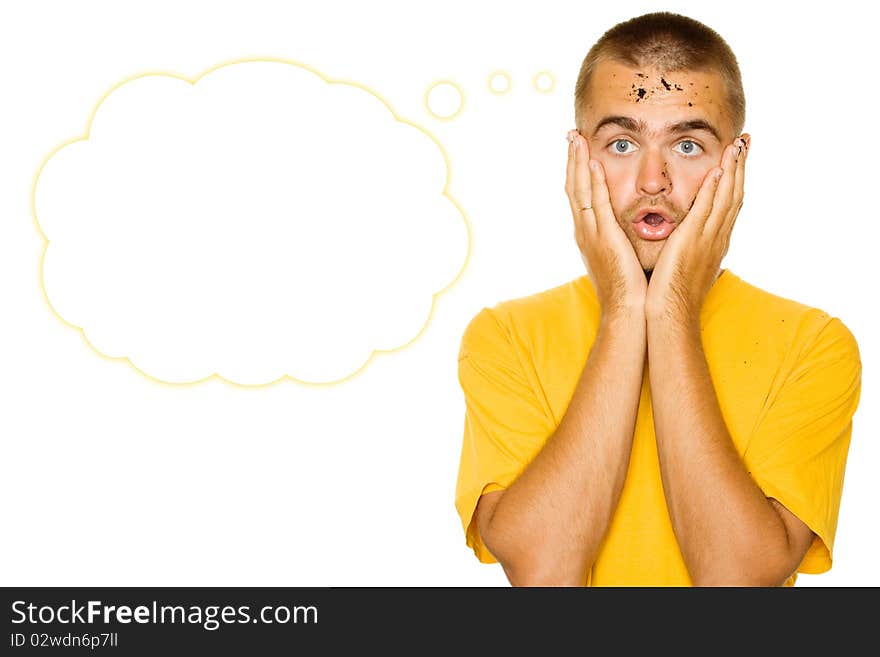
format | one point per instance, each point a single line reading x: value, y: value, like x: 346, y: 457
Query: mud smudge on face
x: 669, y: 85
x: 641, y: 93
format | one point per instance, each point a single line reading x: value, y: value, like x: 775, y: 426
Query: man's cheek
x: 692, y: 183
x: 615, y: 170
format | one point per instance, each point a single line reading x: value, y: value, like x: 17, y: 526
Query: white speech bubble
x: 256, y: 223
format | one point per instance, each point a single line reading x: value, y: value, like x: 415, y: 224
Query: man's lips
x: 653, y: 231
x: 644, y: 212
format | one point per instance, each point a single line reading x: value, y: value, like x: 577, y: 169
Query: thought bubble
x: 258, y: 222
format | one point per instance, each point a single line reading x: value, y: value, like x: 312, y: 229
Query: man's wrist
x: 672, y: 324
x: 623, y: 319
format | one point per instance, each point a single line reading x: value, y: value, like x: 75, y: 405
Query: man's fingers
x: 576, y: 188
x: 724, y: 193
x: 582, y: 195
x: 569, y: 172
x: 738, y: 193
x: 707, y: 199
x: 601, y: 200
x: 585, y: 223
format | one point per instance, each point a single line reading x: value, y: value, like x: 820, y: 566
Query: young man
x: 660, y: 421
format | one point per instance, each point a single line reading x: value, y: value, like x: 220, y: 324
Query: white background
x: 109, y: 477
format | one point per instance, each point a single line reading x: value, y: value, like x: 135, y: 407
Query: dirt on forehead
x: 645, y: 87
x: 697, y: 91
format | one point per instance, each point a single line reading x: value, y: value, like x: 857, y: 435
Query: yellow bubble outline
x: 193, y: 81
x: 435, y: 84
x: 500, y: 73
x: 538, y: 75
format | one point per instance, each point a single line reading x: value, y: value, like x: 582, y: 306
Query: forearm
x: 727, y: 530
x: 548, y: 525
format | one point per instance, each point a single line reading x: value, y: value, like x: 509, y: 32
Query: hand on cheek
x: 691, y: 257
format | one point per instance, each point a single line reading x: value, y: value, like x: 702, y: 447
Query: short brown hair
x: 668, y: 42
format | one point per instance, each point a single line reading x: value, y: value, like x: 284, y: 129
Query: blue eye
x: 693, y: 145
x: 618, y: 141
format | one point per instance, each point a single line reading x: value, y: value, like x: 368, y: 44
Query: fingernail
x: 718, y: 174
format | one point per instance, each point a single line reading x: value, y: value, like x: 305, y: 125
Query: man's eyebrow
x: 639, y: 127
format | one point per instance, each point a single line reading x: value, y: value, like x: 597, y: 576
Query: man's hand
x: 610, y: 258
x: 690, y: 259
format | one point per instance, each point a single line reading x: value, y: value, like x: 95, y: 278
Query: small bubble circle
x: 499, y: 82
x: 444, y: 99
x: 544, y: 81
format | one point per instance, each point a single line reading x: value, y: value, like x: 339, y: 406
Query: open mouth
x: 653, y: 226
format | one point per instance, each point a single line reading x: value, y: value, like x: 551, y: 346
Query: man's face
x: 647, y: 161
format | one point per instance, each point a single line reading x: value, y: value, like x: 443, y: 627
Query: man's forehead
x: 651, y: 102
x: 643, y: 82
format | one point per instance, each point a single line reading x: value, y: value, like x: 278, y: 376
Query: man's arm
x: 729, y: 533
x: 546, y: 527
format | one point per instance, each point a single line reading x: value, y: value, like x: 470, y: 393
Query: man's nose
x: 653, y: 173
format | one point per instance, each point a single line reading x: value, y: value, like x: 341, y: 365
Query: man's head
x: 658, y: 98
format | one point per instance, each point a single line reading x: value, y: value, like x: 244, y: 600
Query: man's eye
x: 616, y: 145
x: 689, y: 147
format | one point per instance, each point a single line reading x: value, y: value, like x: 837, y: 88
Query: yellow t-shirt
x: 788, y: 381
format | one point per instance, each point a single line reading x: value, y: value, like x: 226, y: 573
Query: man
x: 660, y: 421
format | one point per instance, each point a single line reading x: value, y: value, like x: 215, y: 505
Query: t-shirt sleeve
x: 798, y: 452
x: 505, y: 425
